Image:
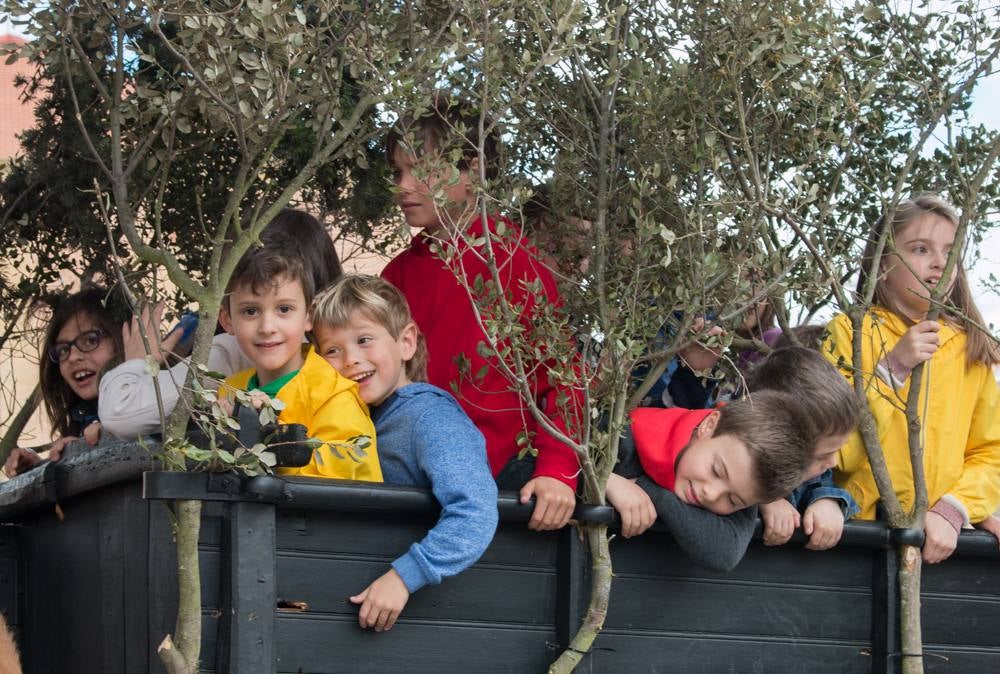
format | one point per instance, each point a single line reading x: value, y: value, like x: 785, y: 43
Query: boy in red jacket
x: 436, y: 160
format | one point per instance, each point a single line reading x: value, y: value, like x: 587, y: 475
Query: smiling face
x: 366, y: 352
x: 923, y: 246
x: 80, y: 369
x: 715, y: 472
x: 269, y: 326
x: 417, y: 179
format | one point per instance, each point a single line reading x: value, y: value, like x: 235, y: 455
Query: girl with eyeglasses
x: 83, y: 339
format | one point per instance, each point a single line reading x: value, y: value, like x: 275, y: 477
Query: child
x: 444, y: 312
x: 719, y: 542
x: 751, y: 451
x: 267, y: 309
x: 128, y: 403
x: 818, y: 504
x: 83, y: 338
x: 362, y: 326
x: 959, y: 399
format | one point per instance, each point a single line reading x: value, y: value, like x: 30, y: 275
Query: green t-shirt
x: 271, y: 388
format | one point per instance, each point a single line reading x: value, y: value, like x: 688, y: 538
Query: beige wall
x: 18, y: 374
x: 14, y: 115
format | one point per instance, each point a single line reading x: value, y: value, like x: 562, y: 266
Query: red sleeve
x: 555, y: 458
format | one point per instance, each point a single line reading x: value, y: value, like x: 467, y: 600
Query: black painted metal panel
x: 96, y: 591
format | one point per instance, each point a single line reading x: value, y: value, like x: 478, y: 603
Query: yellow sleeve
x: 838, y: 350
x: 885, y: 402
x: 978, y: 488
x: 336, y: 420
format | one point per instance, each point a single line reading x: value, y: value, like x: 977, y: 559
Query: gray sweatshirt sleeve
x: 717, y: 542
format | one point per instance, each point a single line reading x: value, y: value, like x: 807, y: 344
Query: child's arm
x: 382, y: 601
x: 554, y: 482
x: 633, y: 504
x: 716, y: 542
x: 451, y: 452
x: 128, y: 406
x: 823, y: 523
x: 23, y: 459
x: 780, y: 519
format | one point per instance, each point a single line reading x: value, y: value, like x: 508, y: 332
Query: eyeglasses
x: 85, y: 342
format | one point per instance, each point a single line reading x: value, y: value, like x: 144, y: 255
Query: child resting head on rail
x: 751, y: 451
x: 83, y: 339
x: 363, y: 327
x: 831, y: 406
x: 719, y: 542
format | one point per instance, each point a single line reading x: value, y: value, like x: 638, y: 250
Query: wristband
x: 893, y: 372
x: 950, y: 513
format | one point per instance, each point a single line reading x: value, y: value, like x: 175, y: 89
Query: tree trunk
x: 181, y: 656
x: 17, y: 424
x: 911, y: 640
x: 597, y: 610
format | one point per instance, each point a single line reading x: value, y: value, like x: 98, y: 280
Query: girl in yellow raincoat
x: 959, y: 420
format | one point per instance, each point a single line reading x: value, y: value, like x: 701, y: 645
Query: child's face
x: 923, y: 245
x: 826, y: 453
x: 367, y: 353
x: 270, y: 326
x: 81, y: 367
x: 714, y: 472
x: 416, y: 182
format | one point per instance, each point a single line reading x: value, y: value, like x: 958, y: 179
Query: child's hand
x: 554, y: 502
x: 132, y: 335
x: 940, y: 538
x: 698, y: 357
x: 57, y: 447
x: 382, y: 601
x: 20, y: 460
x: 91, y: 434
x: 917, y: 345
x: 823, y: 523
x: 990, y: 524
x: 258, y: 399
x: 227, y: 405
x: 632, y: 503
x: 780, y: 521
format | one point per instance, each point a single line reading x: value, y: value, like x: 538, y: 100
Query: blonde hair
x: 381, y: 302
x: 980, y: 346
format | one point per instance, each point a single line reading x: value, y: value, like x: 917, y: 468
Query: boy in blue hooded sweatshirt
x: 362, y: 326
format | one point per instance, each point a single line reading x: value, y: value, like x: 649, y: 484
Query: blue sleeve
x: 816, y: 488
x: 451, y: 451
